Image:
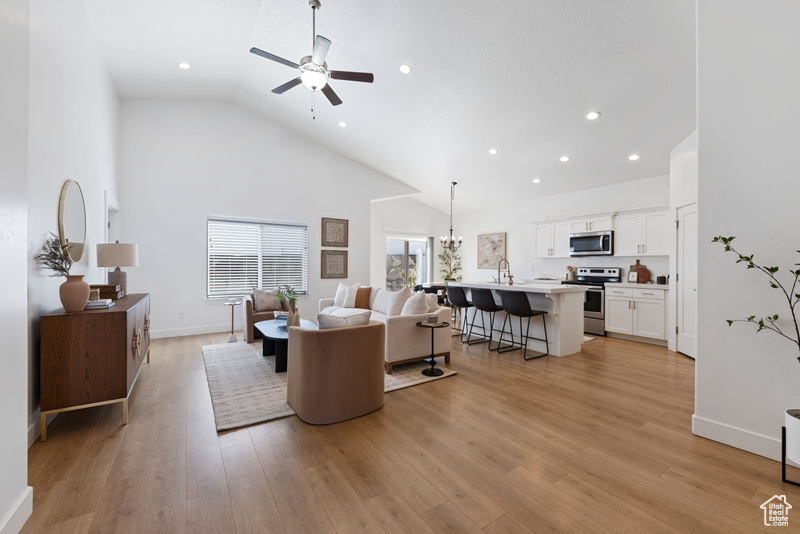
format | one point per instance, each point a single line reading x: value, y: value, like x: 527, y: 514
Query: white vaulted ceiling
x: 515, y: 75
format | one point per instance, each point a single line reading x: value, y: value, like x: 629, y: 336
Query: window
x: 408, y: 261
x: 243, y: 255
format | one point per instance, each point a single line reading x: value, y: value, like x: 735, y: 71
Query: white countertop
x: 663, y: 287
x: 524, y: 286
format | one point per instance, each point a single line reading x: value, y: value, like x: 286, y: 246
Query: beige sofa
x: 335, y: 374
x: 405, y: 341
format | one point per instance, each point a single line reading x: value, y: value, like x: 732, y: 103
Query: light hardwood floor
x: 598, y: 441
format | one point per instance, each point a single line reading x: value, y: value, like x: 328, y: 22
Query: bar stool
x: 483, y: 300
x: 458, y: 299
x: 516, y: 303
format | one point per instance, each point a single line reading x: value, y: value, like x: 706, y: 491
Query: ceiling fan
x: 314, y: 71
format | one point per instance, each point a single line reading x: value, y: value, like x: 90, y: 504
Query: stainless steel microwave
x: 592, y: 243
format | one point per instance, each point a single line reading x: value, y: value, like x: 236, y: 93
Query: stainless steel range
x: 594, y: 311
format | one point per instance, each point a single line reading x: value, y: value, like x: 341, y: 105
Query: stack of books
x: 108, y: 291
x: 99, y: 304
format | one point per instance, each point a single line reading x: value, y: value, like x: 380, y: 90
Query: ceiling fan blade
x: 366, y: 77
x: 285, y: 87
x: 328, y: 92
x: 273, y: 57
x: 321, y: 46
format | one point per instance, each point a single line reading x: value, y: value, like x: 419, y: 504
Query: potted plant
x: 74, y: 292
x: 286, y: 293
x: 451, y: 265
x: 790, y: 293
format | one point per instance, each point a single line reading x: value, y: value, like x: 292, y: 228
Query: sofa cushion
x: 337, y: 319
x: 416, y: 303
x: 381, y: 301
x: 433, y: 302
x: 362, y: 297
x: 266, y: 300
x: 345, y: 295
x: 397, y: 299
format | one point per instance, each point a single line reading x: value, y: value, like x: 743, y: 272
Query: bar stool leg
x: 546, y: 342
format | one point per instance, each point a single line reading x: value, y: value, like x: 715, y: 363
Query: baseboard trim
x: 737, y: 437
x: 35, y: 429
x: 192, y: 331
x: 19, y: 514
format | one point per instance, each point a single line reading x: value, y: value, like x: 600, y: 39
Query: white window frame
x: 255, y: 241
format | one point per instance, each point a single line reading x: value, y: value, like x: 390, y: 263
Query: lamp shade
x: 117, y: 254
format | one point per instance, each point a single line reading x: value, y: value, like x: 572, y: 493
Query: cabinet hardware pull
x: 147, y: 324
x: 136, y: 343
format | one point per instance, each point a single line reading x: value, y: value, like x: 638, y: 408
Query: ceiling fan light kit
x: 313, y: 71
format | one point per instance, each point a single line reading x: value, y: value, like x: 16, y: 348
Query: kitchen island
x: 564, y: 307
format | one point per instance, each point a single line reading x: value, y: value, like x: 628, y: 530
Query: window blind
x: 243, y: 255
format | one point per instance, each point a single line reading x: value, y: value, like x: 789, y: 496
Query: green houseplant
x: 451, y: 265
x: 288, y: 294
x: 790, y: 293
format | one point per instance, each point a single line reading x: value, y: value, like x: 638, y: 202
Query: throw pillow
x: 381, y: 302
x: 362, y: 297
x: 336, y: 321
x: 397, y: 299
x: 433, y: 302
x: 266, y: 300
x: 341, y: 294
x: 350, y: 296
x: 416, y: 303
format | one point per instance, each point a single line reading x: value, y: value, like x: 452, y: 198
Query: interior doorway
x: 686, y: 280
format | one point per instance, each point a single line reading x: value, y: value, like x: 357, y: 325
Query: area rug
x: 245, y: 389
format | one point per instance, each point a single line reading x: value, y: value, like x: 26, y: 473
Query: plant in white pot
x: 786, y: 328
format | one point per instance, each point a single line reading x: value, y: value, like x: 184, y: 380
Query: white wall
x: 403, y: 217
x: 517, y: 221
x: 16, y: 497
x: 181, y: 161
x: 72, y: 135
x: 748, y: 128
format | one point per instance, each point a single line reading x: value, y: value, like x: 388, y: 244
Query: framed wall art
x: 334, y: 264
x: 334, y: 232
x: 491, y: 249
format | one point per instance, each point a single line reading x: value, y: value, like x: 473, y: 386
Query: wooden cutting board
x: 644, y: 274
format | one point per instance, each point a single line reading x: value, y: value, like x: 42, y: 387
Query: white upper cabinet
x: 591, y: 224
x: 642, y: 234
x: 552, y: 240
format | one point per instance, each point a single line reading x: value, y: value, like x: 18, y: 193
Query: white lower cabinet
x: 636, y: 311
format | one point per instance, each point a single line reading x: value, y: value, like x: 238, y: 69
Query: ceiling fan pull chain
x: 313, y: 105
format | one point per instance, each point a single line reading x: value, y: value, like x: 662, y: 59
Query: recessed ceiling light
x: 536, y: 180
x: 183, y: 65
x: 633, y: 157
x: 564, y: 158
x: 343, y: 124
x: 492, y: 151
x: 593, y: 115
x: 405, y: 69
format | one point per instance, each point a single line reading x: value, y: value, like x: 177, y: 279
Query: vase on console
x: 74, y: 293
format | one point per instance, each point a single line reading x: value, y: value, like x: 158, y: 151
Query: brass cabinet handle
x: 136, y: 343
x: 147, y: 324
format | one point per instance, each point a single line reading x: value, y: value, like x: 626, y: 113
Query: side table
x: 232, y: 304
x: 432, y: 371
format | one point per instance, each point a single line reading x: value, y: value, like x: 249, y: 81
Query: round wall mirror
x: 72, y: 219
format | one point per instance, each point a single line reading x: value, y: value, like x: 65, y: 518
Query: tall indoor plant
x: 74, y: 292
x: 790, y: 293
x: 451, y: 265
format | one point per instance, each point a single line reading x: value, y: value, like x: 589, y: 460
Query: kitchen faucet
x: 508, y: 268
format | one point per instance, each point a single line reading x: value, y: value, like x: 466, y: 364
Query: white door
x: 686, y: 285
x: 560, y: 240
x: 544, y: 240
x: 619, y: 312
x: 648, y: 318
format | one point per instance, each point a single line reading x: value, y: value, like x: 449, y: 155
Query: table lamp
x: 118, y: 255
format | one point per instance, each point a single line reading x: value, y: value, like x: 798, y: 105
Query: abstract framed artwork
x: 334, y: 232
x: 334, y: 264
x: 491, y: 249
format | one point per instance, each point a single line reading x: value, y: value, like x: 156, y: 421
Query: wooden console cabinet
x: 93, y: 357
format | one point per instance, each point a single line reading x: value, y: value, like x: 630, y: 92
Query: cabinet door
x: 657, y: 230
x: 648, y: 318
x: 560, y: 246
x: 628, y: 235
x: 544, y: 240
x: 579, y: 225
x: 601, y: 224
x: 618, y: 315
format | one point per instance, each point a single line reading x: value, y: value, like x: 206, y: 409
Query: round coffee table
x: 432, y: 371
x: 276, y: 339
